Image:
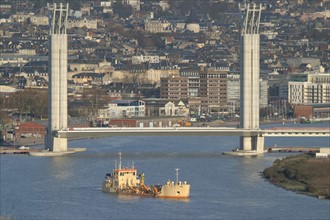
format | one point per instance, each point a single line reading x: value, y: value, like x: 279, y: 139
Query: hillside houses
x: 156, y: 51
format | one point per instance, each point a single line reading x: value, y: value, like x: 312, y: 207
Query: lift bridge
x: 251, y: 136
x: 196, y: 131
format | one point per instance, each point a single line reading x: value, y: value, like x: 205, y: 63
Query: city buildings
x: 191, y: 54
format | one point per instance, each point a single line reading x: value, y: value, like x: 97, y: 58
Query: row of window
x: 211, y: 76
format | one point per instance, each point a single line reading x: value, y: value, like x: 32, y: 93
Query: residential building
x: 213, y: 89
x: 263, y: 93
x: 193, y: 78
x: 88, y: 78
x: 80, y: 23
x: 308, y: 88
x: 174, y: 87
x: 138, y: 59
x: 39, y: 20
x: 158, y: 26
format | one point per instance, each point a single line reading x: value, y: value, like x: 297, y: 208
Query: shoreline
x: 302, y: 174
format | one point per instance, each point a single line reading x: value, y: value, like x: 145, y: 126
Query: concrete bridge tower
x: 249, y: 82
x: 57, y: 93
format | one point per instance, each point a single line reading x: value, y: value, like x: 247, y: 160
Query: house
x: 324, y: 153
x: 88, y: 78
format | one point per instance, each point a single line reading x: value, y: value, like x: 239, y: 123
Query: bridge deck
x: 191, y: 131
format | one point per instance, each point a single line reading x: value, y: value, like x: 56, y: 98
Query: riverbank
x: 303, y: 174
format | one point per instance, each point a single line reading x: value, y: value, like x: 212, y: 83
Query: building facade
x: 213, y: 89
x: 309, y: 88
x: 123, y: 109
x: 207, y: 88
x: 157, y: 26
x: 174, y: 87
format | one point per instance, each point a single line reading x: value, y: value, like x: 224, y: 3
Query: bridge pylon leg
x: 245, y: 143
x: 260, y: 145
x: 56, y: 144
x: 252, y: 143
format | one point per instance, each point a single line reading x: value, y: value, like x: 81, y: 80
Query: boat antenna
x: 119, y: 166
x: 177, y: 175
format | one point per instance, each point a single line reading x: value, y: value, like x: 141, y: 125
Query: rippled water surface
x: 222, y: 187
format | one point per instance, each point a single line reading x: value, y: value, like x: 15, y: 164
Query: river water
x: 222, y: 187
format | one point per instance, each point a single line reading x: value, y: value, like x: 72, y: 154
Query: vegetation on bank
x: 303, y: 173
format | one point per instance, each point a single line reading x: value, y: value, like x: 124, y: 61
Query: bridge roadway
x: 191, y: 131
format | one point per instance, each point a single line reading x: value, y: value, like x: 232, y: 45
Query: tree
x: 123, y: 11
x: 39, y: 105
x: 21, y: 101
x: 29, y: 101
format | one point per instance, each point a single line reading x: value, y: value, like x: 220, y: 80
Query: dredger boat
x: 124, y: 180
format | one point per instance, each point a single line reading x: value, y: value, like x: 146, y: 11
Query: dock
x: 12, y: 150
x: 293, y: 149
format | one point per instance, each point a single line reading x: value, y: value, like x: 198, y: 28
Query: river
x: 222, y: 187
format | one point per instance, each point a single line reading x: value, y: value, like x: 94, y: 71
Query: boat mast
x: 177, y: 175
x: 119, y: 166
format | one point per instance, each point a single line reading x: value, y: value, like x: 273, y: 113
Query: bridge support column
x: 60, y: 144
x: 56, y: 144
x: 246, y: 143
x: 260, y: 144
x: 57, y: 73
x: 252, y: 143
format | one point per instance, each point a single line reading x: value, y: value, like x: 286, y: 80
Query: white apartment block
x: 124, y: 109
x: 316, y: 89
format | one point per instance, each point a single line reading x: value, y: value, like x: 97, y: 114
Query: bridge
x: 192, y: 131
x: 251, y: 136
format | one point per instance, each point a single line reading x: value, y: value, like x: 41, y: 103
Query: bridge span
x: 191, y: 131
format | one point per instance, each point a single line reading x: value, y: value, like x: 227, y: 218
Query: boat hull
x: 174, y: 191
x: 167, y: 191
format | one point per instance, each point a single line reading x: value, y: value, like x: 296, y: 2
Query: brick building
x: 30, y: 129
x: 206, y: 88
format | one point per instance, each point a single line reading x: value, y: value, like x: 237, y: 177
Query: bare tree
x: 39, y: 105
x: 21, y: 101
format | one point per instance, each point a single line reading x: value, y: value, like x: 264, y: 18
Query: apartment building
x: 174, y: 87
x: 206, y: 88
x: 213, y: 89
x: 309, y: 88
